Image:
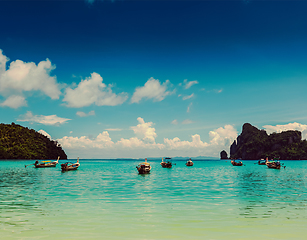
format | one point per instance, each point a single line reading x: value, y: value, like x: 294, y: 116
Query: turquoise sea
x: 108, y: 199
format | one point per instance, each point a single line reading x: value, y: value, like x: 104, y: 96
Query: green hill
x: 18, y: 142
x: 253, y: 144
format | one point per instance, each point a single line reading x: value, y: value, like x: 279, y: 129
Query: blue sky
x: 111, y: 79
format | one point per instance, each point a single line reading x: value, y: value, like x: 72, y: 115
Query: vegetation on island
x: 18, y: 142
x: 254, y: 144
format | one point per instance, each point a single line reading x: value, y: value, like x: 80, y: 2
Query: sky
x: 136, y: 79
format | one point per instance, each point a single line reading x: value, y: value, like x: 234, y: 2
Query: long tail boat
x: 234, y: 163
x: 167, y: 164
x: 144, y: 167
x: 68, y: 166
x: 45, y: 164
x: 189, y: 163
x: 274, y: 164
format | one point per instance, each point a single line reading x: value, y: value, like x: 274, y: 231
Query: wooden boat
x: 262, y: 162
x: 167, y: 164
x: 144, y: 167
x: 68, y: 166
x: 45, y: 164
x: 274, y: 164
x: 234, y: 163
x: 189, y: 163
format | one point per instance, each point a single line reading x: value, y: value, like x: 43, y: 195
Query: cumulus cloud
x: 143, y: 144
x: 187, y: 84
x: 144, y: 139
x: 83, y: 114
x: 290, y: 126
x: 176, y: 143
x: 221, y: 138
x: 144, y: 130
x: 27, y: 76
x: 46, y: 120
x: 223, y: 135
x: 3, y: 61
x: 152, y: 89
x: 103, y: 140
x: 92, y: 90
x: 14, y: 101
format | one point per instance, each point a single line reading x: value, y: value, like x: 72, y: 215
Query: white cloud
x: 187, y: 121
x: 3, y: 61
x: 221, y: 139
x: 187, y: 84
x: 143, y: 144
x: 176, y: 143
x: 103, y: 140
x: 175, y: 122
x: 44, y: 133
x: 188, y: 97
x: 14, y: 101
x: 83, y: 114
x: 144, y: 130
x: 114, y: 129
x: 26, y: 77
x: 46, y: 120
x: 93, y: 91
x: 223, y: 136
x: 152, y: 89
x: 290, y: 126
x: 188, y: 109
x: 145, y: 139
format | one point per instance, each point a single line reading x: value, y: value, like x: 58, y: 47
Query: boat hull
x: 236, y: 163
x: 44, y: 166
x: 273, y: 165
x: 66, y: 167
x: 69, y: 168
x: 143, y: 169
x: 166, y: 165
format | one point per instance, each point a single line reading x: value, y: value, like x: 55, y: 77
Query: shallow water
x: 108, y: 199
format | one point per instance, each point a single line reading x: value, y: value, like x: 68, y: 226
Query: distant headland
x: 18, y: 142
x: 253, y: 144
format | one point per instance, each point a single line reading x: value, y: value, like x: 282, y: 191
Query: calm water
x: 107, y: 199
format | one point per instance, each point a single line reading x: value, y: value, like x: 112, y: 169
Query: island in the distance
x: 18, y: 142
x: 253, y: 144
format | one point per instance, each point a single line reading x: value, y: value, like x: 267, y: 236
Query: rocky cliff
x: 254, y: 144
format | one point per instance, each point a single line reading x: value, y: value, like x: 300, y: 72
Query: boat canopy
x: 145, y: 163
